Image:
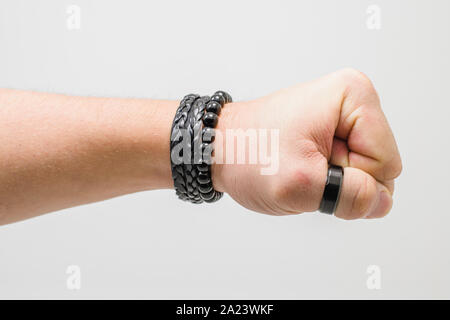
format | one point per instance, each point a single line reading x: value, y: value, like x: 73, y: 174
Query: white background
x: 150, y: 245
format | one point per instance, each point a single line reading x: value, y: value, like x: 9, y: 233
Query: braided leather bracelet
x: 177, y: 158
x: 193, y: 128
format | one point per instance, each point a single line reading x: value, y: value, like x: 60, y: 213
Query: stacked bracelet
x: 193, y: 130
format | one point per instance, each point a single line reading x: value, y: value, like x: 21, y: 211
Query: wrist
x: 228, y: 119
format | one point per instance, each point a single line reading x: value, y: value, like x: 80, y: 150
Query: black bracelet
x: 177, y: 145
x: 193, y: 130
x: 210, y: 119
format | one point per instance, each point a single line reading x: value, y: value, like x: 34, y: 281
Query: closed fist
x: 336, y: 119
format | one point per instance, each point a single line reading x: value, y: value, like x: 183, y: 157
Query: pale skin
x: 61, y: 151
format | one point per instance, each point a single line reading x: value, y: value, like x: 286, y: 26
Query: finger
x: 340, y: 156
x: 362, y: 124
x: 362, y: 196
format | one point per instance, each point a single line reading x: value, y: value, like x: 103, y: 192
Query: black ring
x: 332, y: 190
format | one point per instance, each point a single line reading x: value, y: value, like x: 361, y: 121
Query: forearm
x: 59, y: 151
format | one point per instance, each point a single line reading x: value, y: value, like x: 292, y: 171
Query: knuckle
x: 392, y: 169
x: 355, y: 75
x: 397, y: 167
x: 357, y: 79
x: 294, y: 190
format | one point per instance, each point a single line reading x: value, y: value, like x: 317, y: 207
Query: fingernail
x: 382, y: 206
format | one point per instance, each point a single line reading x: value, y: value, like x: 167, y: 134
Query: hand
x: 336, y: 119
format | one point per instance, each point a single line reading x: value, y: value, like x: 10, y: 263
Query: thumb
x: 362, y: 196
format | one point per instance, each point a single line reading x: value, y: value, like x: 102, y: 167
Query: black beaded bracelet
x: 193, y: 130
x: 210, y: 120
